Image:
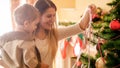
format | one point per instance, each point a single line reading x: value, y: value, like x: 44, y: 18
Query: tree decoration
x: 99, y: 63
x: 63, y: 49
x: 79, y: 45
x: 97, y: 16
x: 114, y: 25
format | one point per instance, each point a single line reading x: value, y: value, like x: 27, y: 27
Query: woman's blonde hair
x: 53, y: 40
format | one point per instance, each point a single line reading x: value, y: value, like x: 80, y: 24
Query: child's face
x: 31, y: 27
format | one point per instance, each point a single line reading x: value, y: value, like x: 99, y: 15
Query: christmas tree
x: 106, y: 37
x: 107, y: 31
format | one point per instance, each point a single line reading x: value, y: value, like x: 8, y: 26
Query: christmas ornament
x: 95, y: 17
x: 82, y: 41
x: 98, y: 46
x: 114, y: 25
x: 99, y: 49
x: 78, y: 63
x: 63, y: 49
x: 78, y: 46
x: 77, y: 49
x: 99, y: 10
x: 99, y: 63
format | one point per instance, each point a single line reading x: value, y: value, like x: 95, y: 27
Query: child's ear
x: 26, y: 23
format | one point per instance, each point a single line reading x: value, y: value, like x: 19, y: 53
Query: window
x: 5, y: 17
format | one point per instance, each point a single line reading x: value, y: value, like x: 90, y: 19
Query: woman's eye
x: 49, y: 16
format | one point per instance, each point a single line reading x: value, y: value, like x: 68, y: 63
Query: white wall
x: 73, y: 14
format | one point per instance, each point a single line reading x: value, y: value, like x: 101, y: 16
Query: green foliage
x: 66, y: 23
x: 112, y: 61
x: 111, y: 44
x: 110, y: 49
x: 108, y: 17
x: 84, y: 60
x: 115, y: 11
x: 80, y: 36
x: 114, y: 2
x: 96, y: 25
x: 112, y: 56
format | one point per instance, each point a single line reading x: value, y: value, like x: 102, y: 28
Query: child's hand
x: 43, y: 65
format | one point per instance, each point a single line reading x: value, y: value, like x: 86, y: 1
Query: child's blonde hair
x: 25, y: 12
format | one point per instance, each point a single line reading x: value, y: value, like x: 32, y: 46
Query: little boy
x: 18, y: 47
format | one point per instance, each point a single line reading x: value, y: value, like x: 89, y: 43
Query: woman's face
x: 48, y: 19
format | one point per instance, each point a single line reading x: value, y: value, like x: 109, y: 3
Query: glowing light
x: 22, y: 2
x: 5, y: 17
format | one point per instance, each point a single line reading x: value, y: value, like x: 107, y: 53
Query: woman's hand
x: 86, y: 18
x: 92, y: 9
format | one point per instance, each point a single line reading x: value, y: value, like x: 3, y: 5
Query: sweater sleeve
x: 64, y: 32
x: 29, y: 55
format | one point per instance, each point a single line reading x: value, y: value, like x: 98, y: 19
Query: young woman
x: 48, y: 35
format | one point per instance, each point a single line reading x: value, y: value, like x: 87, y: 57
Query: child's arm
x: 29, y: 57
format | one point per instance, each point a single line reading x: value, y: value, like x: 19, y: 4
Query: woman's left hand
x: 92, y: 8
x: 86, y: 18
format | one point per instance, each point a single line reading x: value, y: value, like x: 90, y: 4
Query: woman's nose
x: 52, y: 19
